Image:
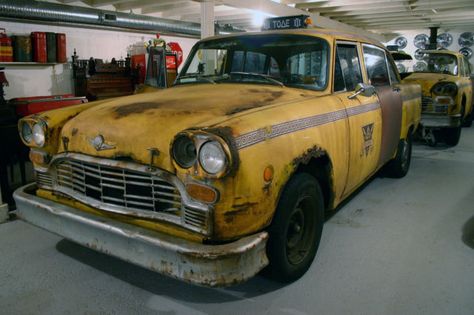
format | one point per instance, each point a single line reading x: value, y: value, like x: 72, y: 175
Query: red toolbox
x: 6, y: 49
x: 38, y: 40
x: 61, y: 56
x: 25, y: 106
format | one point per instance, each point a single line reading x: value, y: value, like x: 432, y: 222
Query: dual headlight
x: 445, y: 89
x: 33, y: 133
x: 210, y: 151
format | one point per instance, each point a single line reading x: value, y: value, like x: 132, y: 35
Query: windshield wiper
x: 198, y: 77
x: 267, y: 78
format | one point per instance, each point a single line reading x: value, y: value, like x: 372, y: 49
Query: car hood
x: 427, y: 80
x: 131, y: 125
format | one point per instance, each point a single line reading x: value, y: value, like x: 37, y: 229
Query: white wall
x: 410, y: 35
x: 102, y: 44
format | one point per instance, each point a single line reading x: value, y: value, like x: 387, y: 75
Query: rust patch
x: 240, y: 209
x: 136, y: 108
x: 313, y: 152
x: 269, y: 96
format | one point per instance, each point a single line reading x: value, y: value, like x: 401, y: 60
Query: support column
x: 207, y: 18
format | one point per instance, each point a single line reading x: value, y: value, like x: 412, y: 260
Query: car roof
x: 446, y: 52
x: 328, y: 34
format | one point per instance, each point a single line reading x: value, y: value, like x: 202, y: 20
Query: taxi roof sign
x: 286, y: 22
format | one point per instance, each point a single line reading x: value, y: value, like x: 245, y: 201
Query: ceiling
x: 379, y: 16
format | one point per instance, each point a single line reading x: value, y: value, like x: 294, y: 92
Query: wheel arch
x: 316, y: 162
x: 322, y: 169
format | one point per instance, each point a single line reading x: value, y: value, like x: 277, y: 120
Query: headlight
x: 212, y: 157
x: 38, y: 134
x: 445, y: 88
x: 26, y: 132
x: 184, y: 151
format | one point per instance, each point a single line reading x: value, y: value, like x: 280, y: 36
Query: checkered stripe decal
x: 260, y: 135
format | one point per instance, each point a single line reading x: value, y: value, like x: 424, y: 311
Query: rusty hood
x: 131, y: 125
x: 427, y: 80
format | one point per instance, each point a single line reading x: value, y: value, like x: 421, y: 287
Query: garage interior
x: 394, y: 247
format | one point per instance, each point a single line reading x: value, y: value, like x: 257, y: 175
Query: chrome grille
x: 195, y: 217
x: 426, y: 104
x: 126, y: 188
x: 44, y: 179
x: 117, y: 186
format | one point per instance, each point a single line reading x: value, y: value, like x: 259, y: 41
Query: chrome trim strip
x: 262, y: 134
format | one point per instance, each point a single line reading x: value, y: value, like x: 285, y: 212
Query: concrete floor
x: 397, y: 247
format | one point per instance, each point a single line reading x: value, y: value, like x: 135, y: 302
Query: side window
x: 468, y: 67
x: 392, y: 72
x: 339, y: 84
x: 347, y: 63
x: 376, y: 66
x: 462, y: 71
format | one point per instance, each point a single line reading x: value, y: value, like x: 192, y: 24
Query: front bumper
x: 440, y: 121
x: 208, y: 265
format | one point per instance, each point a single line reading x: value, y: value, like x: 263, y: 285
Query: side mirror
x: 366, y: 90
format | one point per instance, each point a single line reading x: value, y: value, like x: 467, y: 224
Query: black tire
x: 399, y: 166
x: 296, y: 229
x: 452, y: 136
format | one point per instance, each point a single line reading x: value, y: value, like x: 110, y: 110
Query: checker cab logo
x: 368, y: 145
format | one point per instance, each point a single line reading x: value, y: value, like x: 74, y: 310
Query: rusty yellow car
x: 447, y: 95
x: 233, y: 168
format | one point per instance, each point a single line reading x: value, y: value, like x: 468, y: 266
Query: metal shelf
x: 26, y: 64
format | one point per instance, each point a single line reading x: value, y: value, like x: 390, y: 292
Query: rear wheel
x: 296, y: 229
x: 399, y: 166
x: 452, y: 136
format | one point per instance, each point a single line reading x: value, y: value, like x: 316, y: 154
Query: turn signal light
x: 39, y: 157
x: 202, y: 193
x: 268, y: 173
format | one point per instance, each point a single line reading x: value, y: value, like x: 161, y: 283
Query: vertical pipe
x: 433, y: 37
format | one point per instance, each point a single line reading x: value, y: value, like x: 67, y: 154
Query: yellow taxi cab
x: 447, y: 95
x: 232, y: 169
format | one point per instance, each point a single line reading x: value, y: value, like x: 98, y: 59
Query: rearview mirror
x: 366, y: 90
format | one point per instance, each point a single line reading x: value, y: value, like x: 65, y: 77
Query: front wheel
x: 296, y: 229
x: 452, y: 136
x: 399, y: 166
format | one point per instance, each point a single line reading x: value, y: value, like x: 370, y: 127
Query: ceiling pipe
x: 51, y: 12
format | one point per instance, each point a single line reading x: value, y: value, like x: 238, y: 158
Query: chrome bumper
x: 440, y: 121
x: 208, y: 265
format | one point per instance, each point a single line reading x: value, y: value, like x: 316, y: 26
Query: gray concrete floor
x: 397, y: 247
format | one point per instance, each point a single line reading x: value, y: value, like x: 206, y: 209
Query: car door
x: 381, y: 75
x: 363, y: 115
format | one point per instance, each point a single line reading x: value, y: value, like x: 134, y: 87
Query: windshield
x: 440, y: 63
x: 290, y: 60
